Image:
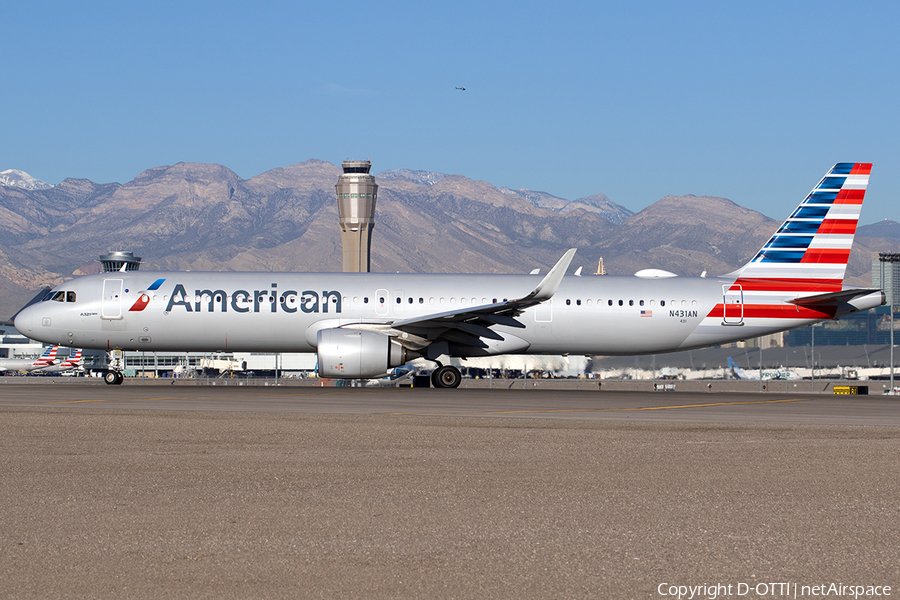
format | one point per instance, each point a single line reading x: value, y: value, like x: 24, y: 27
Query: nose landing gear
x: 114, y: 375
x: 113, y: 378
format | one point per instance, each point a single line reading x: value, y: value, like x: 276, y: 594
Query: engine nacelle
x: 358, y: 353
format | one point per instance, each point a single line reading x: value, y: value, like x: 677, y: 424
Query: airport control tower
x: 356, y: 194
x: 116, y: 260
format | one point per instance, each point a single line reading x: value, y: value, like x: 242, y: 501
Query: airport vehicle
x: 363, y: 324
x: 28, y: 365
x: 764, y: 374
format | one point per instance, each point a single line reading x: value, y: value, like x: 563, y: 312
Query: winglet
x: 550, y: 283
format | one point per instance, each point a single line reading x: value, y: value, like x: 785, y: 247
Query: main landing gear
x: 113, y: 378
x: 446, y: 377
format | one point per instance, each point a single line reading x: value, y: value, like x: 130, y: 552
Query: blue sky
x: 752, y: 101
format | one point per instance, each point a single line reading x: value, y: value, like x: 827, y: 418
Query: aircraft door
x: 381, y: 302
x: 733, y: 305
x: 111, y: 304
x: 543, y: 312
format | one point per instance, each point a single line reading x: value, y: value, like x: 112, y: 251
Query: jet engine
x: 358, y: 353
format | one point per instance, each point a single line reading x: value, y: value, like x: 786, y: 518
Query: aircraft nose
x: 24, y: 321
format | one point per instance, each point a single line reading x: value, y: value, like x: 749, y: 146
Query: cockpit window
x: 48, y: 296
x: 70, y: 296
x: 59, y: 297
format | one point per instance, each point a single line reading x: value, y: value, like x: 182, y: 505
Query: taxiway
x: 278, y: 492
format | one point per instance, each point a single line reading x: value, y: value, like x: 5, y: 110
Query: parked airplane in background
x: 72, y: 363
x: 28, y: 365
x: 363, y: 324
x: 764, y: 374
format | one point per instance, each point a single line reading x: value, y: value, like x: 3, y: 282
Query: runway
x: 283, y: 492
x: 508, y: 403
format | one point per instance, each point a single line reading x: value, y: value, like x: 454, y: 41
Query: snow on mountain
x: 426, y: 177
x: 22, y: 180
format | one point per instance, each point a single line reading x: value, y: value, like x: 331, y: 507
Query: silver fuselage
x: 281, y: 312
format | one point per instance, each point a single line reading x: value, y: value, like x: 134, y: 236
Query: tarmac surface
x: 179, y: 491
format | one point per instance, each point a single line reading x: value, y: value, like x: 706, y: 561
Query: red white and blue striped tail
x: 48, y: 357
x: 810, y: 250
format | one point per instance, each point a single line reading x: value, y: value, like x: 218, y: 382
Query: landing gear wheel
x: 446, y: 377
x: 113, y: 378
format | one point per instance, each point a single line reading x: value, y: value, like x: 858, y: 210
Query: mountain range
x: 205, y: 217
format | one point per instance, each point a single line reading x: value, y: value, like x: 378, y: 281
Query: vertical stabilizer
x: 810, y: 250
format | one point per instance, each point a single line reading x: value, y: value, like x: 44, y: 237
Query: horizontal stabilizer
x: 835, y: 298
x: 844, y: 302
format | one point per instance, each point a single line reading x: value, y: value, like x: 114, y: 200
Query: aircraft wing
x: 468, y: 325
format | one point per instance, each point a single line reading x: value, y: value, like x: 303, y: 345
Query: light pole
x: 812, y: 363
x: 890, y: 257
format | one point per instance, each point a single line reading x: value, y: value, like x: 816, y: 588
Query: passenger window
x: 693, y: 303
x: 642, y: 302
x: 421, y: 300
x: 631, y: 303
x: 365, y: 299
x: 609, y: 302
x: 578, y: 302
x: 621, y: 303
x: 398, y: 300
x: 568, y: 302
x: 381, y: 300
x: 662, y: 302
x: 410, y: 300
x: 70, y: 296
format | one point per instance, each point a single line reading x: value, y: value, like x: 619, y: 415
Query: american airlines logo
x: 246, y: 301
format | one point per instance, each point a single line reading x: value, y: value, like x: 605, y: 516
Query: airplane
x: 363, y: 324
x: 28, y: 365
x: 73, y: 362
x: 767, y: 374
